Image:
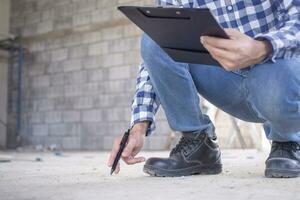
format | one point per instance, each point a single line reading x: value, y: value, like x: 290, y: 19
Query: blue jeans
x: 267, y: 93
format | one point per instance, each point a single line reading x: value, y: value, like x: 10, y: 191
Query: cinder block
x: 91, y: 89
x: 119, y: 73
x: 71, y: 143
x: 37, y: 69
x: 45, y: 26
x: 72, y: 65
x: 163, y: 127
x: 37, y: 94
x: 90, y: 129
x: 33, y: 18
x: 65, y: 129
x: 76, y: 77
x: 104, y: 100
x: 132, y: 58
x: 83, y: 103
x: 63, y: 103
x: 85, y: 6
x: 59, y: 55
x: 113, y: 59
x: 117, y: 128
x: 64, y: 9
x: 72, y: 40
x: 53, y: 117
x: 41, y: 57
x: 116, y: 86
x: 91, y: 142
x: 54, y: 92
x: 57, y: 129
x: 71, y: 116
x: 96, y: 75
x: 28, y: 30
x: 131, y: 30
x: 92, y: 37
x: 43, y: 105
x: 73, y: 90
x: 108, y: 142
x: 57, y: 79
x: 73, y: 129
x: 78, y: 51
x: 158, y: 142
x: 92, y: 62
x: 102, y: 15
x: 40, y: 81
x: 47, y: 14
x: 125, y: 44
x: 37, y: 46
x: 112, y: 33
x: 92, y: 115
x: 115, y: 114
x: 36, y: 117
x: 98, y: 48
x: 106, y: 3
x: 39, y: 130
x: 63, y: 23
x: 54, y: 43
x: 55, y: 67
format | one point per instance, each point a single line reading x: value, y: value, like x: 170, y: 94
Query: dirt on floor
x: 85, y: 176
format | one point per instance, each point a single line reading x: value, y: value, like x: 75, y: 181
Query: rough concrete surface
x: 84, y: 176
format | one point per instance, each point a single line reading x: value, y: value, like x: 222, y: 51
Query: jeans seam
x: 248, y: 102
x: 196, y: 92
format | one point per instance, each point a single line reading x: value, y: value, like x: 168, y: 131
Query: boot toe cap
x: 162, y: 163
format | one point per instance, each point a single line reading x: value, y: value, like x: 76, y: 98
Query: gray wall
x: 80, y: 72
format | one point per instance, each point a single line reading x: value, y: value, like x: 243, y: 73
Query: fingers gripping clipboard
x: 177, y: 30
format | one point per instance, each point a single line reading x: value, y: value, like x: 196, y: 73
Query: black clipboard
x: 177, y: 30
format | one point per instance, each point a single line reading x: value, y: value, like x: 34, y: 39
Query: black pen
x: 122, y: 147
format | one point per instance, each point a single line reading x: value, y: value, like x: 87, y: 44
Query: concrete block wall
x: 80, y: 73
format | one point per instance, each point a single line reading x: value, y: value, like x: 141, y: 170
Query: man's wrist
x: 141, y: 127
x: 263, y: 49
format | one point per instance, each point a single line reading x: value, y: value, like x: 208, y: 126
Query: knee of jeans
x: 279, y: 99
x: 282, y: 105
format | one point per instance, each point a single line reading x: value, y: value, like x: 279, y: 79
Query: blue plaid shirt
x: 277, y: 21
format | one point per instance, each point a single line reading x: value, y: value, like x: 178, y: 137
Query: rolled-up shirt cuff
x: 142, y: 114
x: 276, y: 44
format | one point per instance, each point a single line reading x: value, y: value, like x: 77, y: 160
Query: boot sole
x: 207, y: 170
x: 281, y: 173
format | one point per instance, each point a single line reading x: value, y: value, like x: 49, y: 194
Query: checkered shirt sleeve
x: 145, y: 102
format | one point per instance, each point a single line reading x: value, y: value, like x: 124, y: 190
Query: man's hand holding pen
x: 133, y: 147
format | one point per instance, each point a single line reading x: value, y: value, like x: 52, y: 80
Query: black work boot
x: 197, y: 154
x: 284, y: 160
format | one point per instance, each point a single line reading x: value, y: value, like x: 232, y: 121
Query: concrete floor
x: 84, y: 176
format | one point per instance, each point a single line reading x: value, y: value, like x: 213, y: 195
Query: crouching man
x: 259, y: 82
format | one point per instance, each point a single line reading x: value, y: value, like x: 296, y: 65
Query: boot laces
x: 185, y: 144
x: 286, y: 146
